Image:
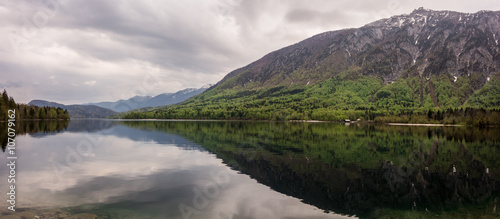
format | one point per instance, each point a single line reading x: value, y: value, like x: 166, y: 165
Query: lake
x: 244, y: 169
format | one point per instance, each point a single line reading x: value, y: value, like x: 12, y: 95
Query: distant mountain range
x: 106, y: 109
x: 77, y: 111
x: 149, y: 101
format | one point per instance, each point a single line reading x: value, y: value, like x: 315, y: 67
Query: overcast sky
x: 78, y: 51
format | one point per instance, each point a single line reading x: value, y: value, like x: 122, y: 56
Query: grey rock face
x: 422, y: 43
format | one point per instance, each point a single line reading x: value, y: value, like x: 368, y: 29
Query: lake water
x: 230, y: 169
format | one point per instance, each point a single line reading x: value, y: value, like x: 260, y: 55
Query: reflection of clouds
x: 142, y: 176
x: 120, y: 158
x: 245, y: 198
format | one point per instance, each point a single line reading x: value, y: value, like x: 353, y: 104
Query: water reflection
x: 117, y: 171
x: 146, y: 169
x: 359, y: 170
x: 43, y: 127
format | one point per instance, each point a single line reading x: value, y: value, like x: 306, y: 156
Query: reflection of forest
x: 29, y: 127
x: 358, y: 169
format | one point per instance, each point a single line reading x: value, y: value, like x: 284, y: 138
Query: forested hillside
x: 25, y: 112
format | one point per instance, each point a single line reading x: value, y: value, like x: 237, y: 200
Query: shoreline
x: 304, y: 121
x: 421, y: 124
x: 225, y: 120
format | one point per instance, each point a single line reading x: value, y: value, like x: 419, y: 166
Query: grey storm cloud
x: 89, y: 50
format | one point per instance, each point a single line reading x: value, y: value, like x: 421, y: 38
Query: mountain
x: 123, y: 105
x: 419, y: 62
x: 77, y: 111
x: 148, y: 101
x: 425, y: 43
x: 173, y: 98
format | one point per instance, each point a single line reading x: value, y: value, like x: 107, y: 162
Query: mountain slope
x: 77, y: 111
x: 426, y: 60
x: 424, y: 42
x: 123, y: 105
x: 173, y: 98
x: 148, y: 101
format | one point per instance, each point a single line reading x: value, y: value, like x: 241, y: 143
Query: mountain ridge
x: 138, y: 102
x: 346, y: 44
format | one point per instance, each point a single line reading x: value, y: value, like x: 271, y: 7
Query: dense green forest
x: 348, y: 95
x: 25, y: 112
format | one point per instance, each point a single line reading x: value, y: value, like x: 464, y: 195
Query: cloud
x: 301, y: 15
x: 89, y: 83
x: 10, y: 84
x: 192, y: 43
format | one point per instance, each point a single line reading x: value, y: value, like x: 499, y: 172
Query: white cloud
x: 89, y: 83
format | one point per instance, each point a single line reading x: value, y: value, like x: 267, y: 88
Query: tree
x: 12, y: 103
x: 52, y: 113
x: 31, y: 114
x: 5, y: 97
x: 42, y: 114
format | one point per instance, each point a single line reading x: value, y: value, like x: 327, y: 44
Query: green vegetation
x: 488, y: 96
x: 25, y: 112
x: 348, y: 95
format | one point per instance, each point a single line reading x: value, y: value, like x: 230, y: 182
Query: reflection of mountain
x: 34, y: 128
x: 357, y: 170
x: 147, y: 135
x: 350, y: 170
x: 90, y: 126
x: 359, y: 191
x: 103, y: 127
x: 75, y: 125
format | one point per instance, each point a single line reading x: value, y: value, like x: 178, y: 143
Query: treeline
x: 25, y: 112
x: 463, y: 116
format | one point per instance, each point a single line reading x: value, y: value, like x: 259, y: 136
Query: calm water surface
x: 215, y: 169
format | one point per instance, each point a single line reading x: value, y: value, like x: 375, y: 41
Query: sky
x: 80, y: 51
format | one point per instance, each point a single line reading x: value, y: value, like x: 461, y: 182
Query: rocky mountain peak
x: 421, y: 10
x: 206, y: 86
x: 424, y: 42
